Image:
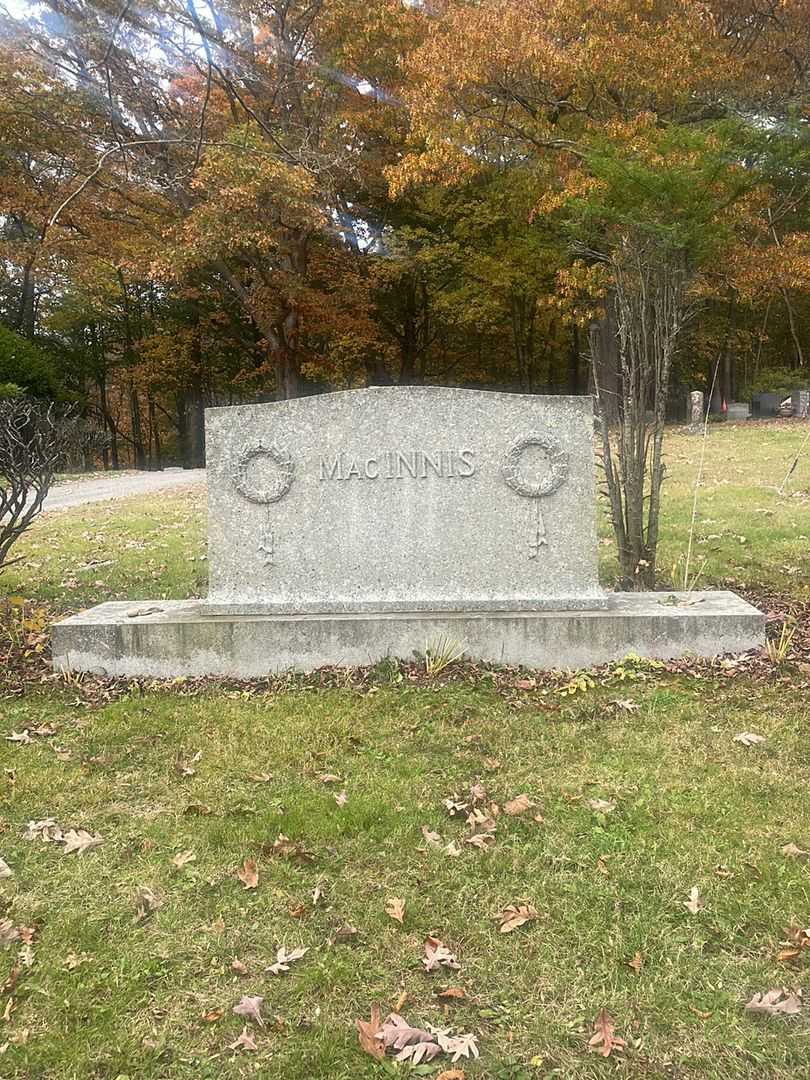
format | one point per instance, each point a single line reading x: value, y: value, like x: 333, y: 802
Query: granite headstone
x: 402, y: 499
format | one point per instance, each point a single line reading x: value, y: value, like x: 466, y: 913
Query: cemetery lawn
x: 124, y: 963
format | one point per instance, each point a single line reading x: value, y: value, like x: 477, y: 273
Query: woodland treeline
x: 207, y: 201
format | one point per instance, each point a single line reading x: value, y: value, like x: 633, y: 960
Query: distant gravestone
x: 402, y: 498
x: 696, y: 411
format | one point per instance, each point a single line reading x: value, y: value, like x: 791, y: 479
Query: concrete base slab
x: 164, y: 639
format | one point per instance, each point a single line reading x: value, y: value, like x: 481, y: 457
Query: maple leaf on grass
x: 515, y: 915
x: 284, y: 959
x: 395, y: 909
x: 604, y: 1040
x: 438, y: 956
x: 248, y: 874
x: 367, y: 1031
x: 249, y: 1007
x: 776, y: 1002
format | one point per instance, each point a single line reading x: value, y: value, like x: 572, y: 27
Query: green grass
x: 108, y: 997
x: 689, y: 799
x: 746, y: 533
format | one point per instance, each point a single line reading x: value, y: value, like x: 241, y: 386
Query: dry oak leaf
x: 794, y: 852
x: 183, y: 858
x: 454, y: 805
x: 515, y: 915
x: 437, y: 956
x: 395, y: 909
x: 248, y: 874
x: 519, y: 805
x: 431, y: 838
x: 694, y: 904
x: 284, y: 959
x: 367, y: 1034
x: 80, y: 840
x: 343, y: 933
x: 776, y: 1002
x: 146, y: 903
x: 797, y: 939
x: 414, y: 1044
x: 250, y: 1008
x: 244, y: 1042
x: 604, y: 1040
x: 482, y: 841
x: 459, y: 1046
x: 749, y: 738
x: 291, y: 849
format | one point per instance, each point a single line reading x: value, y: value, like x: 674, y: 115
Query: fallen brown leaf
x: 776, y: 1002
x: 213, y: 1015
x: 451, y: 1074
x: 519, y: 805
x: 395, y: 909
x: 183, y: 858
x: 80, y: 841
x: 604, y: 1040
x: 250, y: 1008
x: 238, y: 967
x: 694, y: 904
x: 431, y: 838
x: 451, y: 993
x: 244, y: 1042
x: 367, y: 1034
x: 794, y: 852
x: 699, y: 1013
x: 636, y: 962
x: 146, y: 903
x: 749, y: 738
x: 284, y: 959
x: 343, y: 934
x: 515, y: 915
x: 248, y: 874
x: 437, y: 956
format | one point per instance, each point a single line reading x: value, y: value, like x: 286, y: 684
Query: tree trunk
x: 604, y: 349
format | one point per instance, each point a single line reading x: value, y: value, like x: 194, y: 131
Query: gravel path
x: 119, y: 486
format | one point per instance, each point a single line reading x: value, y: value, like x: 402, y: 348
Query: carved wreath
x: 555, y: 478
x: 282, y: 483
